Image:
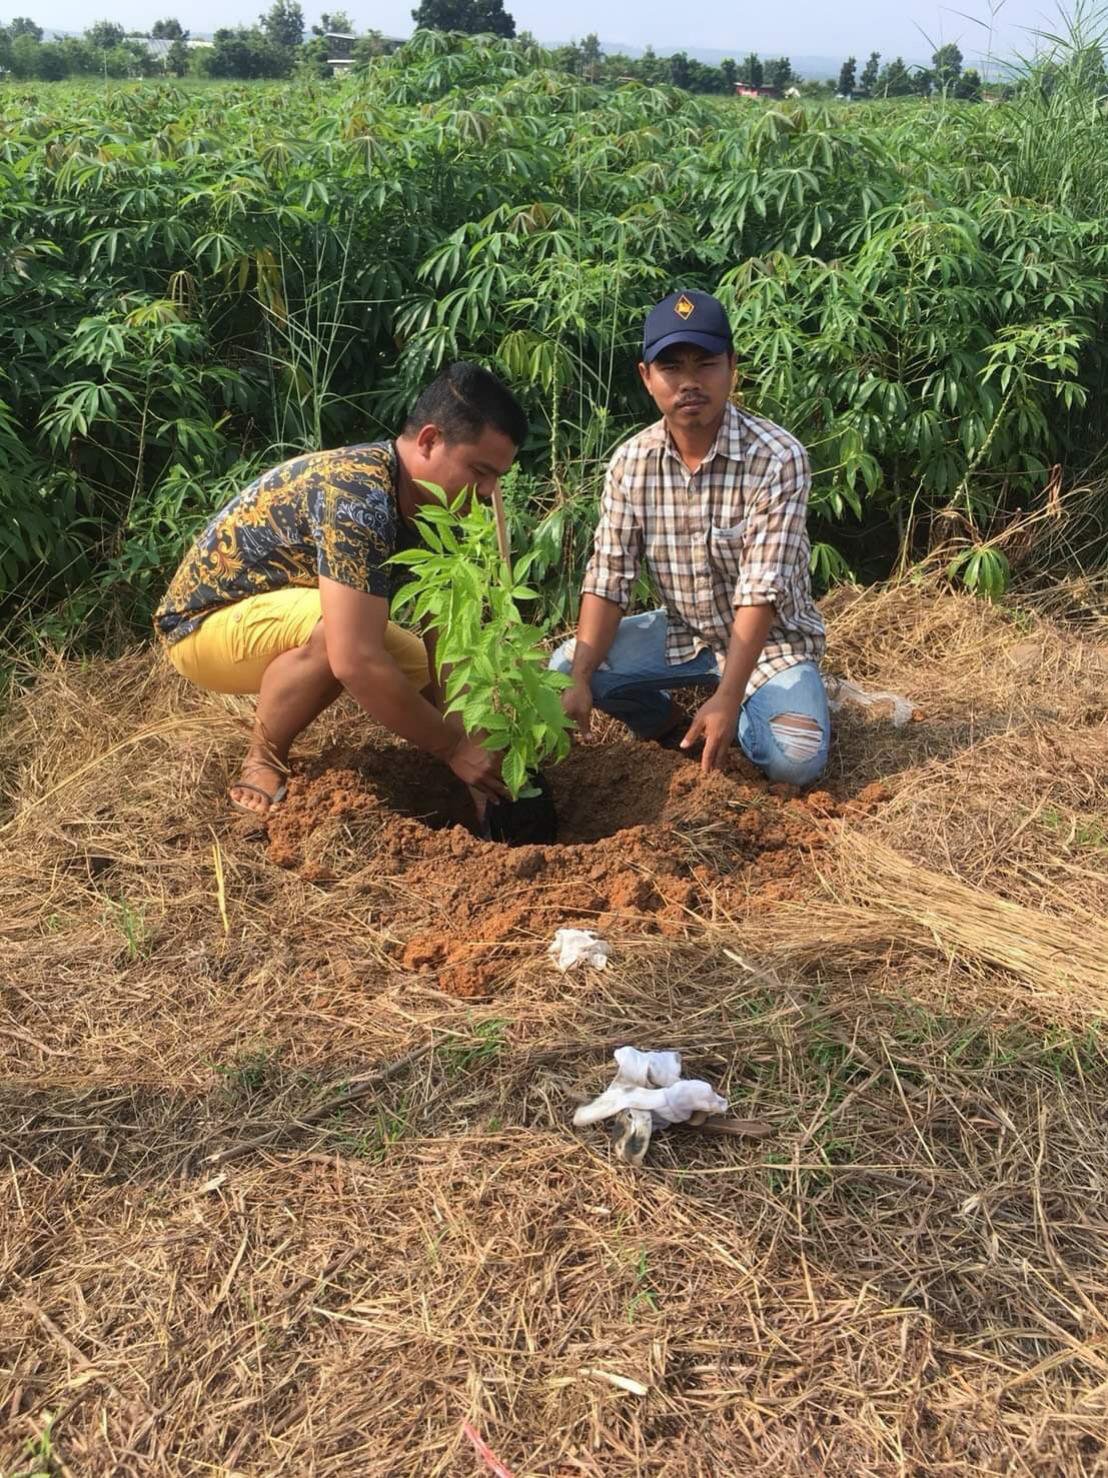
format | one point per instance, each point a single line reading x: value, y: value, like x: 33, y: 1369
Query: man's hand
x: 715, y: 722
x: 479, y: 768
x: 480, y: 804
x: 577, y: 704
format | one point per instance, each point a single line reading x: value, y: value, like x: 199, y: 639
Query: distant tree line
x: 103, y: 50
x: 278, y: 45
x: 947, y: 75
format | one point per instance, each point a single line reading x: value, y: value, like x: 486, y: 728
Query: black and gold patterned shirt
x: 332, y: 514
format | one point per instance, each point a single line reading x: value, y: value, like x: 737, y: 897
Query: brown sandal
x: 274, y: 800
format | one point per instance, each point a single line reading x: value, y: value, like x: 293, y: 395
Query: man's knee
x: 313, y: 654
x: 562, y: 661
x: 799, y: 751
x: 306, y: 663
x: 562, y: 657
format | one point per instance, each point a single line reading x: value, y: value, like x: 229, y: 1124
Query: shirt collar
x: 728, y: 442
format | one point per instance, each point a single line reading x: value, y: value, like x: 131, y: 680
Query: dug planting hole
x: 648, y: 845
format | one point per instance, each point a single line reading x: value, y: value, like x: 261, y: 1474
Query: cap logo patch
x: 684, y: 308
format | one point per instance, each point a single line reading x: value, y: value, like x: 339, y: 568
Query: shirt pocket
x: 725, y: 550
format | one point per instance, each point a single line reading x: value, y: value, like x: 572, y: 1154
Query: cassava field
x: 288, y: 1182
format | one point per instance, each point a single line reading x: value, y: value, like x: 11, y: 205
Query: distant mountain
x: 51, y: 33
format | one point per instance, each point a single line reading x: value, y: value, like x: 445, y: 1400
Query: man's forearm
x: 596, y: 631
x: 379, y: 686
x: 749, y: 631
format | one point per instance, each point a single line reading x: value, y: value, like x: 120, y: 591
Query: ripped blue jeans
x: 635, y: 683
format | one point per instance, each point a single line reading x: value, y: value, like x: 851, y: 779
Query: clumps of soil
x: 648, y: 843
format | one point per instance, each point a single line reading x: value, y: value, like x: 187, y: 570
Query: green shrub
x: 198, y: 279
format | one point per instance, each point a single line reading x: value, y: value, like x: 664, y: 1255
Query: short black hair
x: 463, y: 400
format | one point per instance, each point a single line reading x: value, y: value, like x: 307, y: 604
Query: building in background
x: 158, y: 46
x: 340, y: 52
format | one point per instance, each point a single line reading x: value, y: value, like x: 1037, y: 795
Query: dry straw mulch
x: 231, y: 1245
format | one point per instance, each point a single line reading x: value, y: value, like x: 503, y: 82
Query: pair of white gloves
x: 648, y: 1093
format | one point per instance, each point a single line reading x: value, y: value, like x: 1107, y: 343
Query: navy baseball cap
x: 686, y: 318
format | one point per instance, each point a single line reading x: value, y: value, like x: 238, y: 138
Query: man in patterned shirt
x: 715, y: 500
x: 286, y: 592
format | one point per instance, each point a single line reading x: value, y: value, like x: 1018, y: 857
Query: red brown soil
x: 646, y: 842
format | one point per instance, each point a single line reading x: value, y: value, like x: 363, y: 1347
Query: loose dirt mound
x: 647, y: 841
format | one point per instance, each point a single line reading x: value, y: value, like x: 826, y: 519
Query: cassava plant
x: 491, y: 662
x: 196, y: 280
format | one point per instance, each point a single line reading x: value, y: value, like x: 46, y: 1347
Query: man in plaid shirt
x: 715, y: 500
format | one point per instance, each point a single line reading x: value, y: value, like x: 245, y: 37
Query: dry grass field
x: 288, y: 1183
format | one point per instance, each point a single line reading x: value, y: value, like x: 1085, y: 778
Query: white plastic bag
x: 841, y: 692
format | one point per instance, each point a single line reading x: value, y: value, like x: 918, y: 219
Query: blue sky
x: 805, y: 27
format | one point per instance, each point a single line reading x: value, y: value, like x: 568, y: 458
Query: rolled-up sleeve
x: 775, y: 532
x: 618, y: 546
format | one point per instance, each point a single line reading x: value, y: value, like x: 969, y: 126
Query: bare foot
x: 258, y: 788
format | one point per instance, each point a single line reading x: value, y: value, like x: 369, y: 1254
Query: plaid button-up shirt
x: 733, y: 533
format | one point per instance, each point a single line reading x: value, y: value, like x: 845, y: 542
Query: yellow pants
x: 231, y: 648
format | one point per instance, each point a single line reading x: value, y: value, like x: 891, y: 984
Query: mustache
x: 691, y: 400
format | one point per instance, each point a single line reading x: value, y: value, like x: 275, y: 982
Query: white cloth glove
x: 647, y: 1069
x: 652, y: 1082
x: 570, y: 946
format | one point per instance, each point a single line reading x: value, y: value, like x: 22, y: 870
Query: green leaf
x: 514, y: 772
